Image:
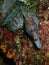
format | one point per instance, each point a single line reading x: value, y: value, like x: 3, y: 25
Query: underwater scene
x: 24, y: 32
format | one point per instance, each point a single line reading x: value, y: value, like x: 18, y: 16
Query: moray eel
x: 31, y: 26
x: 19, y: 15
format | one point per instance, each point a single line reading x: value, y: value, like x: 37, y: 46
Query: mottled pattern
x: 15, y: 20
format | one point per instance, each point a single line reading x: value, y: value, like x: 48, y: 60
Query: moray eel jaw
x: 38, y: 43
